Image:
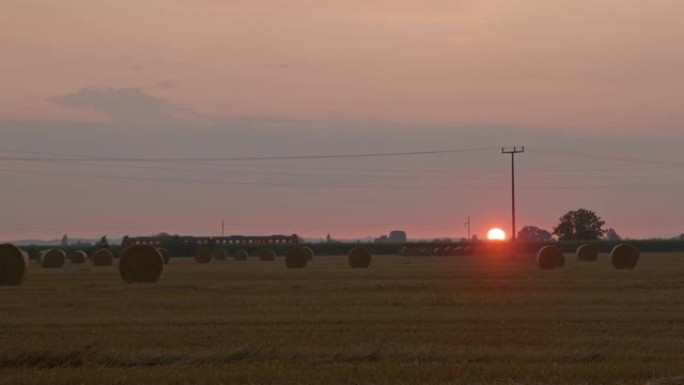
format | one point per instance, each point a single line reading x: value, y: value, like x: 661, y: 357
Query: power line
x: 525, y: 175
x: 246, y: 158
x: 352, y: 186
x: 614, y: 158
x: 70, y: 158
x: 243, y: 172
x: 214, y: 182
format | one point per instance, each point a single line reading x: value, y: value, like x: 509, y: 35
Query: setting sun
x: 496, y: 234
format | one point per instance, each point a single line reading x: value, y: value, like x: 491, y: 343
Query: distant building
x: 397, y: 236
x: 382, y: 239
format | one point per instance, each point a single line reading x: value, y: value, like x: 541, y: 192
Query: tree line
x: 575, y: 225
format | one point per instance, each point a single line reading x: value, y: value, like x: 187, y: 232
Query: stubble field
x: 425, y: 320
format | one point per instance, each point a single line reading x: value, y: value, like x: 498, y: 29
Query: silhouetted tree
x: 579, y: 224
x: 612, y: 235
x: 533, y: 233
x: 65, y: 241
x: 103, y: 242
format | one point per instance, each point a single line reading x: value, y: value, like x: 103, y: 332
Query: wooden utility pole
x: 513, y: 151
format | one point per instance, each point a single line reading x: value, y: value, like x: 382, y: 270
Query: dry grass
x: 432, y: 320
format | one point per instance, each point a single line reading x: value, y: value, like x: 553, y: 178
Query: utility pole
x: 467, y: 224
x: 513, y: 151
x: 223, y: 227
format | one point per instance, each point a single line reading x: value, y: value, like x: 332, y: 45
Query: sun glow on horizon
x: 496, y: 234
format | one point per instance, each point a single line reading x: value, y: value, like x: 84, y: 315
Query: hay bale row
x: 411, y: 252
x: 204, y: 254
x: 450, y: 251
x: 624, y: 256
x: 455, y: 251
x: 14, y: 264
x: 52, y: 258
x: 78, y: 256
x: 267, y: 255
x: 359, y: 258
x: 102, y: 257
x: 550, y: 257
x: 141, y: 263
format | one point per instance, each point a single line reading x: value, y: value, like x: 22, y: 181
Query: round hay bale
x: 624, y: 256
x: 403, y: 250
x: 141, y: 263
x: 267, y: 255
x: 438, y: 251
x: 467, y: 250
x: 412, y: 252
x: 359, y: 258
x: 458, y: 251
x: 52, y: 258
x: 14, y: 264
x: 587, y: 253
x: 296, y: 258
x: 166, y: 255
x: 203, y: 255
x: 219, y: 254
x: 78, y: 256
x: 449, y: 251
x: 426, y: 251
x: 240, y: 255
x: 309, y: 253
x: 102, y: 257
x: 550, y: 257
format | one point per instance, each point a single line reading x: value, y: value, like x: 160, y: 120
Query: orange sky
x: 323, y: 73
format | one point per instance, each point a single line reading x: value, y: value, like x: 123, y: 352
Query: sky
x: 593, y: 90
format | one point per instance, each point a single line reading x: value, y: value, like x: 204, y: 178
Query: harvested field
x: 429, y: 320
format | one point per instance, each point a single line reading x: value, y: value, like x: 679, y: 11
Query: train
x: 202, y: 240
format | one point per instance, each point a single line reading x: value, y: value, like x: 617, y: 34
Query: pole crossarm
x: 512, y: 150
